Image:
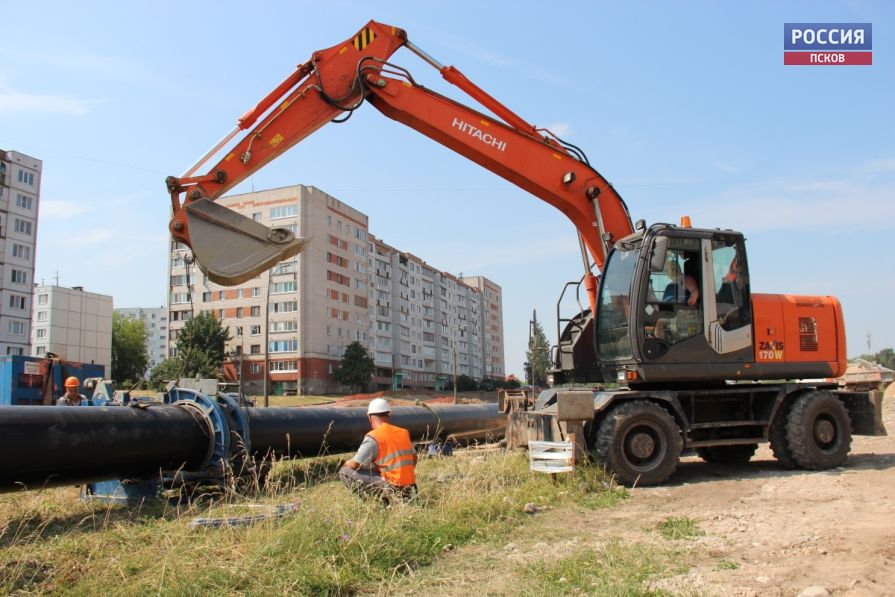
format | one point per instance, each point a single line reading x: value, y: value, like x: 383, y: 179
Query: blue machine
x: 26, y: 381
x: 227, y: 457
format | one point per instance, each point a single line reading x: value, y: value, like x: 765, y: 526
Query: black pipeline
x: 50, y: 446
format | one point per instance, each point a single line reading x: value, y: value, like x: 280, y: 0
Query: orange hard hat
x: 72, y: 382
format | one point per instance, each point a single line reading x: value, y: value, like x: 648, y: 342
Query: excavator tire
x: 740, y: 454
x: 818, y: 430
x: 639, y: 442
x: 777, y: 437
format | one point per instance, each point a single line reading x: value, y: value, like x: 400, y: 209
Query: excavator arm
x: 231, y: 248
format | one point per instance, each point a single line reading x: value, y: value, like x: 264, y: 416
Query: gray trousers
x: 363, y: 481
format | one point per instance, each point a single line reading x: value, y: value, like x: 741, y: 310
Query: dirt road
x: 767, y: 530
x: 780, y: 531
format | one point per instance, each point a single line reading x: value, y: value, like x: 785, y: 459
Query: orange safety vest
x: 395, y: 459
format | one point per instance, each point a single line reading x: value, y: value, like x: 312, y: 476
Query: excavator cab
x: 674, y: 305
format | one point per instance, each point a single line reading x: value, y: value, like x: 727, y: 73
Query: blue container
x: 26, y: 380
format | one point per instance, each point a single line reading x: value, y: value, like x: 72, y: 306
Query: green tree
x: 163, y: 372
x: 200, y: 346
x: 538, y: 355
x: 357, y: 367
x: 129, y: 357
x: 885, y: 357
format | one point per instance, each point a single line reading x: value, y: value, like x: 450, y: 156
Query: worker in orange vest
x: 386, y: 460
x: 71, y: 397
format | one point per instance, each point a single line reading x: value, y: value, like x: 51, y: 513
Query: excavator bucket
x: 231, y: 248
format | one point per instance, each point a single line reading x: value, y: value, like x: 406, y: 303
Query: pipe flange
x: 239, y: 419
x: 214, y: 415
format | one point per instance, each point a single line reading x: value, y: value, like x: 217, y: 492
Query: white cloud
x: 16, y: 101
x: 800, y: 206
x: 560, y: 129
x: 878, y: 166
x: 57, y: 209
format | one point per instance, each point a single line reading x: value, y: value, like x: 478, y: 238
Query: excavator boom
x: 231, y: 248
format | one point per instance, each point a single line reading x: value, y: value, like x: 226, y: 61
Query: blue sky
x: 685, y: 107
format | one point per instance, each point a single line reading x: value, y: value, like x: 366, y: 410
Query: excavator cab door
x: 231, y: 248
x: 677, y: 309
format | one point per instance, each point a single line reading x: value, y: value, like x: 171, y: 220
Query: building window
x: 283, y: 326
x: 283, y: 346
x: 178, y: 298
x: 255, y: 330
x: 256, y: 292
x: 285, y: 307
x: 40, y: 333
x: 16, y: 328
x: 281, y: 287
x: 16, y: 301
x: 238, y: 312
x: 19, y: 277
x: 283, y: 366
x: 284, y: 211
x: 238, y: 331
x: 42, y: 299
x: 41, y: 316
x: 256, y: 216
x: 255, y: 349
x: 14, y: 350
x: 39, y: 351
x: 255, y: 311
x: 26, y: 177
x: 21, y: 251
x: 206, y: 297
x: 24, y: 201
x: 22, y: 227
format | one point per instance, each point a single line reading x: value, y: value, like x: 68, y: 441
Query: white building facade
x: 155, y: 322
x: 20, y: 177
x: 419, y: 324
x: 73, y: 324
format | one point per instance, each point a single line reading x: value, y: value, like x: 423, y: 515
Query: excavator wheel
x: 777, y: 437
x: 639, y: 442
x: 740, y: 454
x: 818, y: 431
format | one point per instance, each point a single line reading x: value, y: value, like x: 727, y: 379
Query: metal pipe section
x: 45, y: 446
x: 315, y: 430
x: 51, y: 446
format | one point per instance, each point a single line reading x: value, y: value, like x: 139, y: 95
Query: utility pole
x: 266, y: 335
x: 454, y: 344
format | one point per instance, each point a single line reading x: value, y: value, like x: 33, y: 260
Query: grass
x: 612, y: 569
x: 727, y: 565
x: 334, y: 544
x: 680, y: 528
x: 295, y: 400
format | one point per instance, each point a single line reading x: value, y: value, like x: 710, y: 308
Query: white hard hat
x: 378, y: 406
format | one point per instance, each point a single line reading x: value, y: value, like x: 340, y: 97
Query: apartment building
x: 491, y: 325
x: 19, y: 200
x: 73, y: 324
x: 417, y: 322
x: 155, y: 321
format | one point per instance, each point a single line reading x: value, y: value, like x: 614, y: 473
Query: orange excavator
x: 683, y: 350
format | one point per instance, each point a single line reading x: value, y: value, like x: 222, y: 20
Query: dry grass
x: 335, y: 543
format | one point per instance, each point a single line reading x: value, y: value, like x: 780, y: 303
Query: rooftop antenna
x: 868, y: 340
